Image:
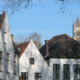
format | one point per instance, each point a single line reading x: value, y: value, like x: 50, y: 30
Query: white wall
x: 39, y: 63
x: 62, y: 62
x: 8, y: 48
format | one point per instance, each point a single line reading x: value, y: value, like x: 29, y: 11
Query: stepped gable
x: 62, y: 46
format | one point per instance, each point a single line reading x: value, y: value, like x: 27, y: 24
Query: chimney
x: 47, y: 48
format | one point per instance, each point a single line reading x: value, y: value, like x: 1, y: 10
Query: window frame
x: 8, y: 58
x: 24, y: 76
x: 56, y: 71
x: 5, y: 37
x: 31, y: 61
x: 14, y: 64
x: 66, y: 71
x: 38, y: 76
x: 77, y: 71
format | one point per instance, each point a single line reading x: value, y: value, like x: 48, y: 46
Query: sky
x: 45, y: 20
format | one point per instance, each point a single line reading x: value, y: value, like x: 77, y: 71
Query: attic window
x: 31, y: 60
x: 5, y: 37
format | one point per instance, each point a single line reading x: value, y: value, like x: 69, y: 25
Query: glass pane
x: 56, y: 71
x: 66, y: 72
x: 38, y: 76
x: 24, y: 75
x: 76, y: 71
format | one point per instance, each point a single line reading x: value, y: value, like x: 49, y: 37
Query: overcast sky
x: 44, y: 19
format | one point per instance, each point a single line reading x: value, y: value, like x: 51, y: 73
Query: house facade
x: 63, y: 56
x: 32, y: 66
x: 8, y: 52
x: 57, y: 59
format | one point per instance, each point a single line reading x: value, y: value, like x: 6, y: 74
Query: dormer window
x: 31, y: 60
x: 5, y: 37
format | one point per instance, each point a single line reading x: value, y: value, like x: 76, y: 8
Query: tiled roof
x: 62, y: 46
x: 23, y: 46
x: 1, y: 19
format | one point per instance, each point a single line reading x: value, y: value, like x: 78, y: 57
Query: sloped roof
x: 77, y: 22
x: 23, y: 46
x: 1, y: 19
x: 62, y: 46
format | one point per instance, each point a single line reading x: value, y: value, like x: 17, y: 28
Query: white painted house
x: 59, y: 60
x: 8, y: 56
x: 32, y: 66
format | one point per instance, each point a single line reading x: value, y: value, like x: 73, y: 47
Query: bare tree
x: 14, y: 5
x: 34, y: 36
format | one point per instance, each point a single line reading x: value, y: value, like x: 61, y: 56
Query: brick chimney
x: 46, y: 47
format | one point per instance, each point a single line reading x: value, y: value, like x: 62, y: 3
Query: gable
x: 31, y: 52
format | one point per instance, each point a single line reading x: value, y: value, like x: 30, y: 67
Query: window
x: 5, y: 37
x: 24, y: 75
x: 66, y: 72
x: 56, y: 71
x: 77, y: 33
x: 31, y: 60
x: 14, y: 64
x: 38, y: 76
x: 8, y: 62
x: 1, y: 61
x: 76, y: 71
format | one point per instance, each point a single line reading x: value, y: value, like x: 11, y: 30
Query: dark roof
x: 62, y: 46
x: 23, y: 46
x: 1, y: 19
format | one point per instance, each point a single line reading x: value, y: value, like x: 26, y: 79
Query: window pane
x: 38, y: 76
x: 56, y: 71
x: 14, y: 65
x: 66, y: 72
x: 31, y: 60
x: 76, y: 71
x: 24, y: 75
x: 77, y: 33
x: 7, y: 61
